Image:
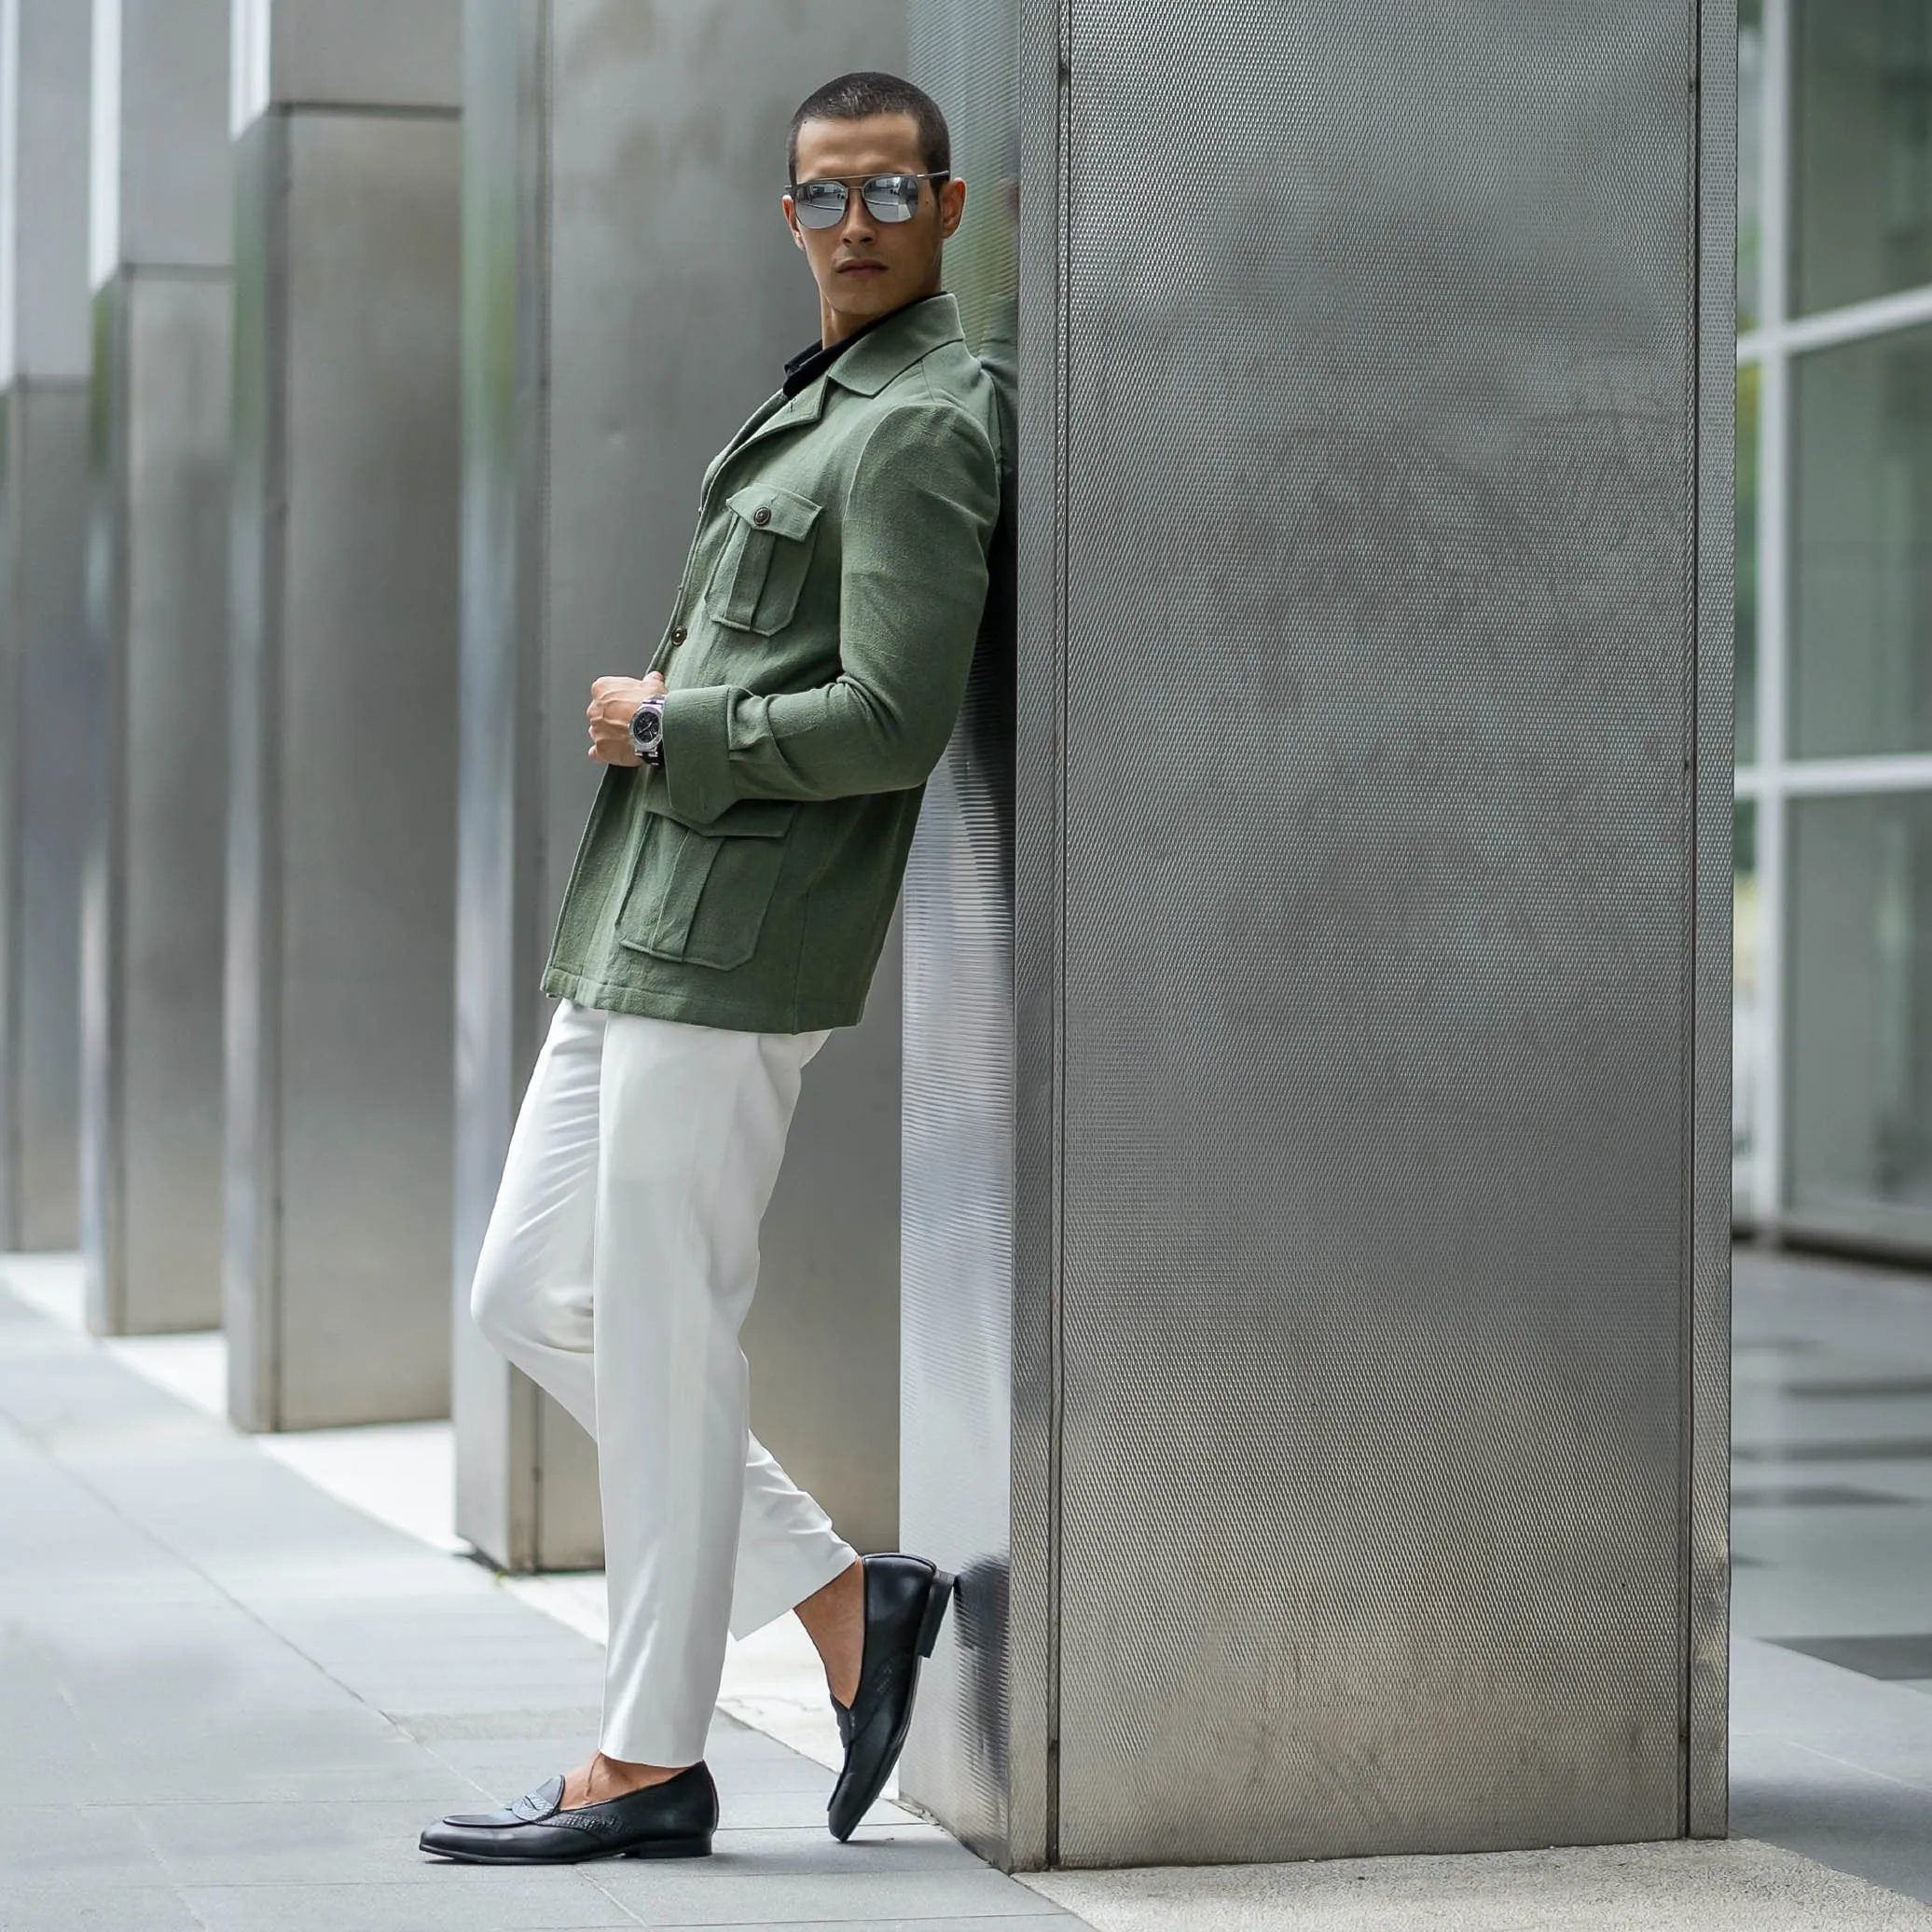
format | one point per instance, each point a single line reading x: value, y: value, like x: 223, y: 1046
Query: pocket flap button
x: 762, y: 515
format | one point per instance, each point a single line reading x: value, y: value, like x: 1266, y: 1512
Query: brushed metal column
x: 45, y: 722
x: 161, y: 229
x: 630, y: 295
x: 1317, y: 1186
x: 342, y: 823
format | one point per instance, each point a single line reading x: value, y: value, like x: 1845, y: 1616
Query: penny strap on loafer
x: 532, y: 1806
x: 905, y: 1602
x: 674, y: 1819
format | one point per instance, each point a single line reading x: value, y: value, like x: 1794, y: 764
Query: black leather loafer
x: 906, y: 1600
x: 671, y: 1820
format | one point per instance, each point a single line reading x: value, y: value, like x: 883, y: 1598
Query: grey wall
x: 44, y: 774
x: 152, y: 913
x: 1317, y: 1187
x: 342, y: 822
x: 623, y: 316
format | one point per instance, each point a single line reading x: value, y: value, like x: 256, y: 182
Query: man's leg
x: 533, y: 1298
x: 694, y: 1121
x: 791, y: 1558
x: 532, y: 1293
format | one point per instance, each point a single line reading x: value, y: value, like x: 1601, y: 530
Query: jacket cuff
x: 698, y: 780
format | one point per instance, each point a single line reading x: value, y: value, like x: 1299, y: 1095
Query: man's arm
x: 919, y: 518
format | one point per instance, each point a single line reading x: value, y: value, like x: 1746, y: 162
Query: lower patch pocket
x: 701, y: 898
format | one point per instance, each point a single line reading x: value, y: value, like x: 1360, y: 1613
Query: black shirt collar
x: 809, y: 365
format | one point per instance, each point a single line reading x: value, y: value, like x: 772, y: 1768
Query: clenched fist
x: 613, y: 702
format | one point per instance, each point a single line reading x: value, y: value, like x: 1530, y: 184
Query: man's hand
x: 613, y: 703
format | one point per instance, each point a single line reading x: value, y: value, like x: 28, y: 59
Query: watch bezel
x: 648, y: 743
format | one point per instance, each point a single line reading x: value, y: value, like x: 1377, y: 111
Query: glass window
x: 1859, y: 1093
x: 1744, y: 1006
x: 1862, y: 135
x: 1750, y: 168
x: 1747, y: 653
x: 1861, y: 591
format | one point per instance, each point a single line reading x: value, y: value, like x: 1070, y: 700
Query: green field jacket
x: 815, y: 658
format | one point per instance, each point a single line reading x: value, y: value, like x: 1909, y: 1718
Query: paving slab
x: 78, y: 1908
x: 513, y: 1903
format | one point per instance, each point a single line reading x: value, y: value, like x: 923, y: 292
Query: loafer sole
x: 656, y: 1848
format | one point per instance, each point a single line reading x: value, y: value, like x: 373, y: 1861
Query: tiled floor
x: 228, y: 1702
x: 1831, y: 1598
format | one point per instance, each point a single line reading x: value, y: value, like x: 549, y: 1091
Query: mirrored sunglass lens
x: 893, y: 197
x: 821, y: 204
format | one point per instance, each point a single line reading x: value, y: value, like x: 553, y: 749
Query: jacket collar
x: 898, y: 342
x: 865, y: 369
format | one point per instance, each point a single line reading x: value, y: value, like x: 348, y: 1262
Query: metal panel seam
x: 526, y: 1398
x: 277, y: 402
x: 1690, y: 1203
x: 118, y: 461
x: 1057, y: 1428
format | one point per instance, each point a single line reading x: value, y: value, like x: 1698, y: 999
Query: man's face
x: 865, y: 267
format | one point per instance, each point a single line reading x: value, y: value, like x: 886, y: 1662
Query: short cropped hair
x: 859, y: 97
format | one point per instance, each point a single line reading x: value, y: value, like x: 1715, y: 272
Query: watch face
x: 646, y: 728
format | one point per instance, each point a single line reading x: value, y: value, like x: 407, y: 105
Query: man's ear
x: 791, y: 219
x: 952, y: 205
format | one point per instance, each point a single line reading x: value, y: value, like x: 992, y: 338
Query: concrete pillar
x: 152, y: 922
x: 343, y: 642
x: 631, y: 295
x: 45, y: 725
x: 1317, y: 1173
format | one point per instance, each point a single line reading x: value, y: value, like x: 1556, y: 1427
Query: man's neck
x: 833, y: 327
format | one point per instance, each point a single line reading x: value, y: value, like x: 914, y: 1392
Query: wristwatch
x: 647, y: 731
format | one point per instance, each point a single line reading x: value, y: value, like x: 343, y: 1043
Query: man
x: 728, y: 904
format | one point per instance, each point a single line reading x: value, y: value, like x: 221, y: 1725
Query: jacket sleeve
x: 918, y: 522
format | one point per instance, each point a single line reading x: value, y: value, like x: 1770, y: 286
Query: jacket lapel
x: 773, y: 419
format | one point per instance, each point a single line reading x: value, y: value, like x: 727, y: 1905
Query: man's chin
x: 861, y: 299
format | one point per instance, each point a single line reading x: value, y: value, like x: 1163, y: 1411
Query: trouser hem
x: 753, y: 1610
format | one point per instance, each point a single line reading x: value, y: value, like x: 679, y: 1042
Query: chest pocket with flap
x: 767, y: 552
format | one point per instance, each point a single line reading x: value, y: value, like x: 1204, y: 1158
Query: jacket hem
x: 696, y: 1007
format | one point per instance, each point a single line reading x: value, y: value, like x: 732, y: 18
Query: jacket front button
x: 762, y: 515
x: 679, y: 635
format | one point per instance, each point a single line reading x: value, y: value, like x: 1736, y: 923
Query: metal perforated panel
x: 1707, y: 1401
x: 1376, y: 1075
x: 1361, y: 1179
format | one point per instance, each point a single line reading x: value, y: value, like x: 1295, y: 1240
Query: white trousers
x: 619, y: 1262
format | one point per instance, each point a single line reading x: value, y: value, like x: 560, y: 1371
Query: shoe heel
x: 937, y: 1598
x: 673, y: 1848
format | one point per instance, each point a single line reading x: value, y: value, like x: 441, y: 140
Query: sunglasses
x: 822, y: 204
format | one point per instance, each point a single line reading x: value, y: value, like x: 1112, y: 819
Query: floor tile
x: 95, y: 1847
x: 1032, y: 1919
x: 1881, y: 1657
x: 797, y: 1810
x: 577, y: 1722
x: 896, y: 1850
x: 549, y: 1901
x: 1912, y: 1448
x: 374, y: 1840
x: 708, y: 1892
x: 84, y: 1908
x: 1814, y: 1496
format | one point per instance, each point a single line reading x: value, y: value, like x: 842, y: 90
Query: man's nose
x: 860, y: 225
